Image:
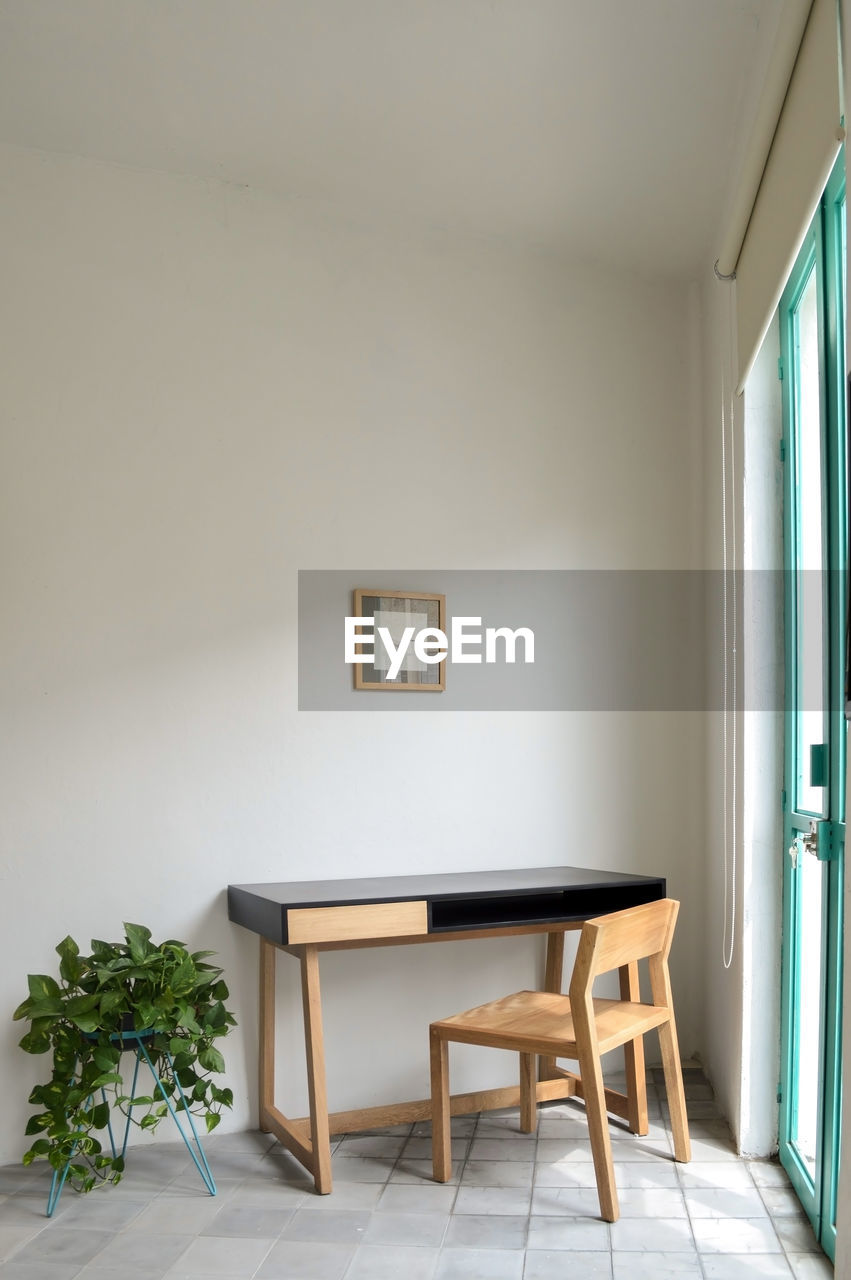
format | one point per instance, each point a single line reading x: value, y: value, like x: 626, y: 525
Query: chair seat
x: 541, y: 1022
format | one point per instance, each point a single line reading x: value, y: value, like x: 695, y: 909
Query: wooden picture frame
x: 397, y: 610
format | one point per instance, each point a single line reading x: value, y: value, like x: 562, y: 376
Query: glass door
x: 813, y: 369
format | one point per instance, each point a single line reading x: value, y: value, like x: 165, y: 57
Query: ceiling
x: 604, y: 128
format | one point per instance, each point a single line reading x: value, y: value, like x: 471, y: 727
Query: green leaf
x: 213, y: 1118
x: 108, y: 1077
x: 149, y: 1122
x: 70, y: 965
x: 145, y: 1014
x: 45, y: 1007
x: 86, y: 1021
x: 138, y: 937
x: 35, y: 1042
x: 82, y: 1004
x: 100, y: 1115
x: 42, y: 987
x: 35, y: 1124
x: 110, y: 1001
x: 211, y: 1059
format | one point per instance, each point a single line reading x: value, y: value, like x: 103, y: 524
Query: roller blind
x: 802, y: 154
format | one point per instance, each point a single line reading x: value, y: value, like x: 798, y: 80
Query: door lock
x: 810, y: 840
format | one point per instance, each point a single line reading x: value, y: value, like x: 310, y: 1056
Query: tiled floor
x: 518, y: 1208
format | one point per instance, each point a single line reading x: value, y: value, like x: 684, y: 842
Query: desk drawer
x: 376, y: 920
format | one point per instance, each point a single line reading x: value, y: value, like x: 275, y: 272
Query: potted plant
x: 161, y: 1000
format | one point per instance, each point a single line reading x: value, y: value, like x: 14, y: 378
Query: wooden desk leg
x: 314, y: 1044
x: 633, y: 1053
x: 266, y: 1064
x: 553, y: 977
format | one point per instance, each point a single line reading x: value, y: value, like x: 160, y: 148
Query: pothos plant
x: 84, y: 1018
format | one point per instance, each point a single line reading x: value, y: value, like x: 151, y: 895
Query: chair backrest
x: 623, y: 938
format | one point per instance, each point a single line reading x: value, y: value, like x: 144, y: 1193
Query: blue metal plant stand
x: 57, y: 1182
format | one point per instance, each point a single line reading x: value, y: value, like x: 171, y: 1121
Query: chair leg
x: 528, y: 1093
x: 633, y: 1052
x: 669, y: 1045
x: 598, y: 1130
x: 441, y: 1150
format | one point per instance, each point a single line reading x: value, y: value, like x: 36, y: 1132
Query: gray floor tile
x: 796, y: 1234
x: 572, y: 1173
x: 407, y: 1228
x: 567, y: 1233
x: 780, y: 1201
x: 391, y: 1262
x: 500, y: 1149
x: 497, y: 1173
x: 270, y: 1193
x: 810, y: 1266
x: 651, y: 1202
x: 486, y: 1231
x: 716, y: 1202
x: 13, y: 1238
x: 730, y: 1175
x: 371, y: 1145
x: 16, y: 1270
x: 58, y: 1243
x: 461, y: 1127
x: 32, y: 1209
x: 431, y: 1198
x: 735, y: 1235
x: 564, y: 1150
x: 209, y: 1256
x: 767, y: 1173
x: 573, y: 1201
x: 301, y: 1260
x: 484, y: 1200
x: 144, y: 1250
x: 420, y: 1171
x: 644, y: 1175
x: 544, y: 1265
x: 334, y: 1226
x: 168, y: 1215
x: 346, y: 1195
x: 361, y: 1168
x: 248, y: 1222
x: 505, y: 1127
x: 116, y: 1272
x: 656, y: 1266
x: 480, y: 1264
x: 420, y: 1149
x: 103, y: 1210
x: 746, y: 1266
x: 660, y: 1235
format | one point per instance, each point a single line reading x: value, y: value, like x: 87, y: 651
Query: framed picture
x: 398, y: 655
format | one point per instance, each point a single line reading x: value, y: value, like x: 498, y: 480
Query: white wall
x: 723, y: 985
x: 743, y: 997
x: 205, y: 390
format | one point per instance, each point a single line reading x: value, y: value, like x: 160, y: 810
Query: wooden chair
x: 581, y: 1028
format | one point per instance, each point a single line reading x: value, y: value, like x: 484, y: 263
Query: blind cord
x: 730, y: 663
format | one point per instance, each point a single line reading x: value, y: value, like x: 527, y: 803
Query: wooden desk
x: 305, y: 918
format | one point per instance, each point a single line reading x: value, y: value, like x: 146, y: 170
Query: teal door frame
x: 822, y: 253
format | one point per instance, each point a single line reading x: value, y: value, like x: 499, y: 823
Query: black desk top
x: 457, y: 901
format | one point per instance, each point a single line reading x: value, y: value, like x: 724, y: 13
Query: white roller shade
x: 799, y: 162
